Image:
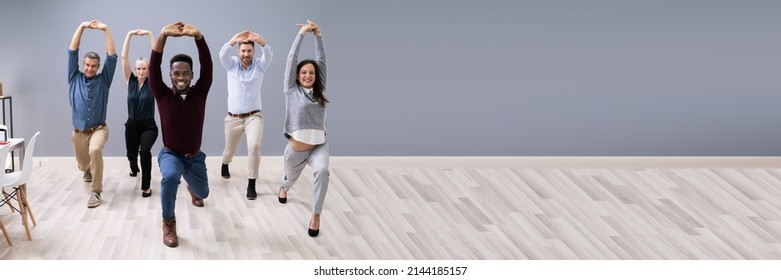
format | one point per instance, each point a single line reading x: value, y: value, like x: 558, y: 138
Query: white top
x: 309, y: 136
x: 244, y: 84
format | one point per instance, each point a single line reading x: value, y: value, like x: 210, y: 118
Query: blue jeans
x: 173, y: 167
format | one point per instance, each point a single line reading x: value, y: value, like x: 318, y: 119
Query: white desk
x: 16, y: 144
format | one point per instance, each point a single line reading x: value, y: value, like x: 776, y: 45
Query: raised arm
x: 125, y: 50
x: 175, y: 29
x: 110, y: 48
x: 225, y: 56
x: 266, y: 53
x: 156, y: 57
x: 255, y: 37
x: 192, y: 31
x: 204, y: 57
x: 239, y: 37
x: 76, y: 40
x: 292, y: 56
x: 73, y: 56
x: 126, y: 68
x: 319, y: 51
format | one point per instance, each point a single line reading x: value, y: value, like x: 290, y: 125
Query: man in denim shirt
x: 88, y: 94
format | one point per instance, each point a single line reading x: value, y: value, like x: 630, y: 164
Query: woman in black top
x: 140, y: 128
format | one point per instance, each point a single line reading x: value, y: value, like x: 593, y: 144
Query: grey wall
x: 461, y: 78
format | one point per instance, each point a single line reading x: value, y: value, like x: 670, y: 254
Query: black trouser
x: 140, y: 135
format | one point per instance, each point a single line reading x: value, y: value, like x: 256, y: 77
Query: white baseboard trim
x: 489, y: 162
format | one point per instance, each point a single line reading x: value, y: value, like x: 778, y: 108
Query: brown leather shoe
x: 169, y: 233
x: 198, y: 202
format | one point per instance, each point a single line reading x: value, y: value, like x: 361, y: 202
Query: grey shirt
x: 302, y: 110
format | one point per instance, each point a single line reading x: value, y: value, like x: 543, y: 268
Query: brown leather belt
x: 89, y: 130
x: 186, y: 156
x: 243, y: 115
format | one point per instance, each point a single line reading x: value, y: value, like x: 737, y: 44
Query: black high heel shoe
x: 146, y: 193
x: 133, y: 173
x: 313, y: 232
x: 283, y: 200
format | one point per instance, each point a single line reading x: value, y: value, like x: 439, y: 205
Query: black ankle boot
x: 251, y: 194
x: 224, y: 172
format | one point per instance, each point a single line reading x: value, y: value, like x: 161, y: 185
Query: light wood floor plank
x: 416, y: 211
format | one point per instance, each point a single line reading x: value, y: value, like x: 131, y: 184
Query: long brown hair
x: 318, y: 88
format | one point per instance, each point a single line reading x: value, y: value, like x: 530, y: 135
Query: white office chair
x: 3, y: 155
x: 17, y: 181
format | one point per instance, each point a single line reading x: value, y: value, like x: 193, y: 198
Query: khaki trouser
x: 88, y: 148
x: 252, y: 126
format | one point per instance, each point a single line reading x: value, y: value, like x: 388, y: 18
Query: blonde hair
x: 142, y: 60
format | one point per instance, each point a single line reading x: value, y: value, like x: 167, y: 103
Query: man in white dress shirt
x: 245, y: 77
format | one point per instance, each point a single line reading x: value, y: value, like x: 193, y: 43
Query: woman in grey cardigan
x: 305, y: 122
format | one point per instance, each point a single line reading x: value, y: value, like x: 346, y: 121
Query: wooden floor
x: 404, y: 210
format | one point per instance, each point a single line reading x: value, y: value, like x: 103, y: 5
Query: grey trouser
x: 318, y: 160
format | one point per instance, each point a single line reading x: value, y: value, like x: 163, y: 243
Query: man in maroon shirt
x: 182, y: 110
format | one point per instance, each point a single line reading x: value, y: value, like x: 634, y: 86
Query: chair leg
x: 5, y: 232
x: 7, y: 199
x: 23, y: 211
x: 23, y: 195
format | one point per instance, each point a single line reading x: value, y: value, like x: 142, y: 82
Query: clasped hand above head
x: 178, y: 29
x: 309, y: 26
x: 94, y: 24
x: 240, y: 37
x: 175, y: 29
x: 140, y: 32
x: 247, y: 36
